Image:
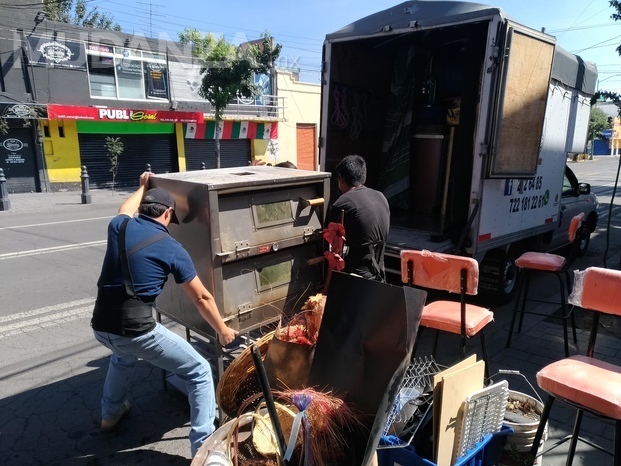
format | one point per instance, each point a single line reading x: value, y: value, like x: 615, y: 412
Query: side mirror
x: 584, y: 188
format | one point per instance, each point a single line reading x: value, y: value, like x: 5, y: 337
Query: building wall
x: 44, y: 83
x: 61, y: 151
x: 303, y: 102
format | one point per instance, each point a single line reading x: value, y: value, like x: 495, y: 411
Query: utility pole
x: 150, y: 13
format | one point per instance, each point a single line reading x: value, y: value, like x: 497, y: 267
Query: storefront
x: 239, y: 141
x: 147, y: 136
x: 20, y: 157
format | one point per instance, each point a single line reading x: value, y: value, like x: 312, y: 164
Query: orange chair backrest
x: 440, y: 271
x: 598, y: 289
x: 575, y: 225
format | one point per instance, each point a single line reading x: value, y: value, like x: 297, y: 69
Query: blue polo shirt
x: 149, y: 266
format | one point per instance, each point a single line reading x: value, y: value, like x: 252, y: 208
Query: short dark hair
x: 152, y: 210
x: 286, y: 164
x: 353, y: 170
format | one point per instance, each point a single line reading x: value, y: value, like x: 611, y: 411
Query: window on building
x: 125, y: 74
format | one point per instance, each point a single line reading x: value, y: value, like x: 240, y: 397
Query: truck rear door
x: 520, y: 103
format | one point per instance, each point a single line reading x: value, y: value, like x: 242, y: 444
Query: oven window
x: 271, y: 276
x: 273, y: 213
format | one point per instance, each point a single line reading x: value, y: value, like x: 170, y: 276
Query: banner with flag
x: 231, y: 130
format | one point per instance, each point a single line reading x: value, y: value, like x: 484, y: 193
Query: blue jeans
x: 168, y: 351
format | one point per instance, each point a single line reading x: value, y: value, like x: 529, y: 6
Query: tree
x: 228, y: 70
x: 77, y: 12
x: 598, y: 121
x: 115, y: 148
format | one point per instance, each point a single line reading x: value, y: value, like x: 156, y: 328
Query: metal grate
x: 482, y: 413
x: 415, y: 391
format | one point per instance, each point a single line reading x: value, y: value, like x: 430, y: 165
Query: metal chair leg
x: 518, y: 296
x: 564, y: 314
x: 524, y: 299
x: 484, y: 350
x: 617, y: 459
x: 542, y: 424
x: 574, y: 438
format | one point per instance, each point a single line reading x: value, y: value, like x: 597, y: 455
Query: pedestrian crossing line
x: 44, y: 322
x: 47, y: 309
x: 32, y: 225
x: 68, y: 247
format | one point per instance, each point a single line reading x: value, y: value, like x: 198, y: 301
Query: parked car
x: 576, y: 197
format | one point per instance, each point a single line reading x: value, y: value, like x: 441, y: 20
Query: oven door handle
x: 312, y: 202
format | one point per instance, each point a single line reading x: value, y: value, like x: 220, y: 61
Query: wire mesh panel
x: 416, y: 390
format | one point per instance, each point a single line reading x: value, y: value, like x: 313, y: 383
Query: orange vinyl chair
x: 542, y: 262
x: 454, y: 274
x: 589, y: 384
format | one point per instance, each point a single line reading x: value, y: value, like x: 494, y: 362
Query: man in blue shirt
x: 140, y: 255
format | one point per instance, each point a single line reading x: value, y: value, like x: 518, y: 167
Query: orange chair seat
x: 588, y: 382
x: 541, y: 261
x: 446, y: 316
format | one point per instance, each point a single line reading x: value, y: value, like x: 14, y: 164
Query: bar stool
x: 541, y: 262
x: 588, y: 384
x: 454, y: 274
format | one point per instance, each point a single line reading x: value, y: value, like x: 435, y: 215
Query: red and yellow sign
x: 71, y: 112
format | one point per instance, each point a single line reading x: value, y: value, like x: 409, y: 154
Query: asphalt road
x: 52, y: 369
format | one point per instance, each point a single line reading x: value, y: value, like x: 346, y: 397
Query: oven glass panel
x: 273, y: 213
x: 271, y: 276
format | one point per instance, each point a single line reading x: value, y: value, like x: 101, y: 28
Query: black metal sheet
x: 365, y: 343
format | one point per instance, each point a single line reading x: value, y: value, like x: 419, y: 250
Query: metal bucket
x: 520, y: 442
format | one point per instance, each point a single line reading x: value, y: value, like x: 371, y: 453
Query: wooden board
x: 454, y: 386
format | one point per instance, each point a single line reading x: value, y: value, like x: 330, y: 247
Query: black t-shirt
x: 366, y: 222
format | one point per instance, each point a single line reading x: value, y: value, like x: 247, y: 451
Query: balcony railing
x: 266, y: 106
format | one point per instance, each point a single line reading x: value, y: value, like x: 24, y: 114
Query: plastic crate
x: 487, y: 452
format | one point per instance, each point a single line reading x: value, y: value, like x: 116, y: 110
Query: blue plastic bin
x: 485, y: 453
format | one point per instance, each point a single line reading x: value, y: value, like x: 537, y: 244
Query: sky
x: 583, y: 27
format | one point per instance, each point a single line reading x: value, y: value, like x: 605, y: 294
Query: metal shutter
x: 158, y: 150
x: 233, y: 153
x: 18, y: 160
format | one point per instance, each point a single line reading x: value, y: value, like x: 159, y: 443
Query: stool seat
x: 588, y: 382
x: 446, y: 316
x: 541, y: 261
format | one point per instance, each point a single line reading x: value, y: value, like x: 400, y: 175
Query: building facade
x: 66, y: 90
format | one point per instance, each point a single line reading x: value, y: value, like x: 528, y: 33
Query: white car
x: 576, y: 197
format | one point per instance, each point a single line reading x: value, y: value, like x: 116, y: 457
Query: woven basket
x: 239, y: 381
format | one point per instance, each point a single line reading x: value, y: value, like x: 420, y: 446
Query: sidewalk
x: 24, y: 202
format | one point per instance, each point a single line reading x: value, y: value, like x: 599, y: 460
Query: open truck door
x: 520, y: 105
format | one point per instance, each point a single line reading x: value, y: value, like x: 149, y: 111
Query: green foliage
x: 77, y: 12
x: 607, y: 96
x: 227, y: 70
x: 115, y: 148
x: 616, y: 16
x: 598, y: 121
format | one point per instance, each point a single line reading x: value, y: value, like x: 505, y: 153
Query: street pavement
x: 49, y: 415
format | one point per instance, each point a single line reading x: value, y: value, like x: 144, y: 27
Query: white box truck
x: 466, y: 120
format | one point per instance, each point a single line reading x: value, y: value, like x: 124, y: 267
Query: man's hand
x: 144, y: 179
x: 227, y: 336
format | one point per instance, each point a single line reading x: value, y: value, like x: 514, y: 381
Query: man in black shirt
x: 366, y: 218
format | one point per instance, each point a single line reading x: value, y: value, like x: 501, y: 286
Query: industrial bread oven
x: 254, y: 234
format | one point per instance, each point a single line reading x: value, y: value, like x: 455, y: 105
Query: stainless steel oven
x: 254, y: 234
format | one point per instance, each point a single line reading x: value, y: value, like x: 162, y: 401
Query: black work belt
x: 117, y: 313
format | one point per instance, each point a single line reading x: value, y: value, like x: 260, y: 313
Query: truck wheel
x: 497, y: 276
x: 584, y: 245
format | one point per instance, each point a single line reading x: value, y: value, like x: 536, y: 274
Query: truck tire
x: 583, y: 246
x: 497, y: 276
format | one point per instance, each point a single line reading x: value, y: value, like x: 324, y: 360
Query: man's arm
x: 130, y: 206
x: 206, y: 305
